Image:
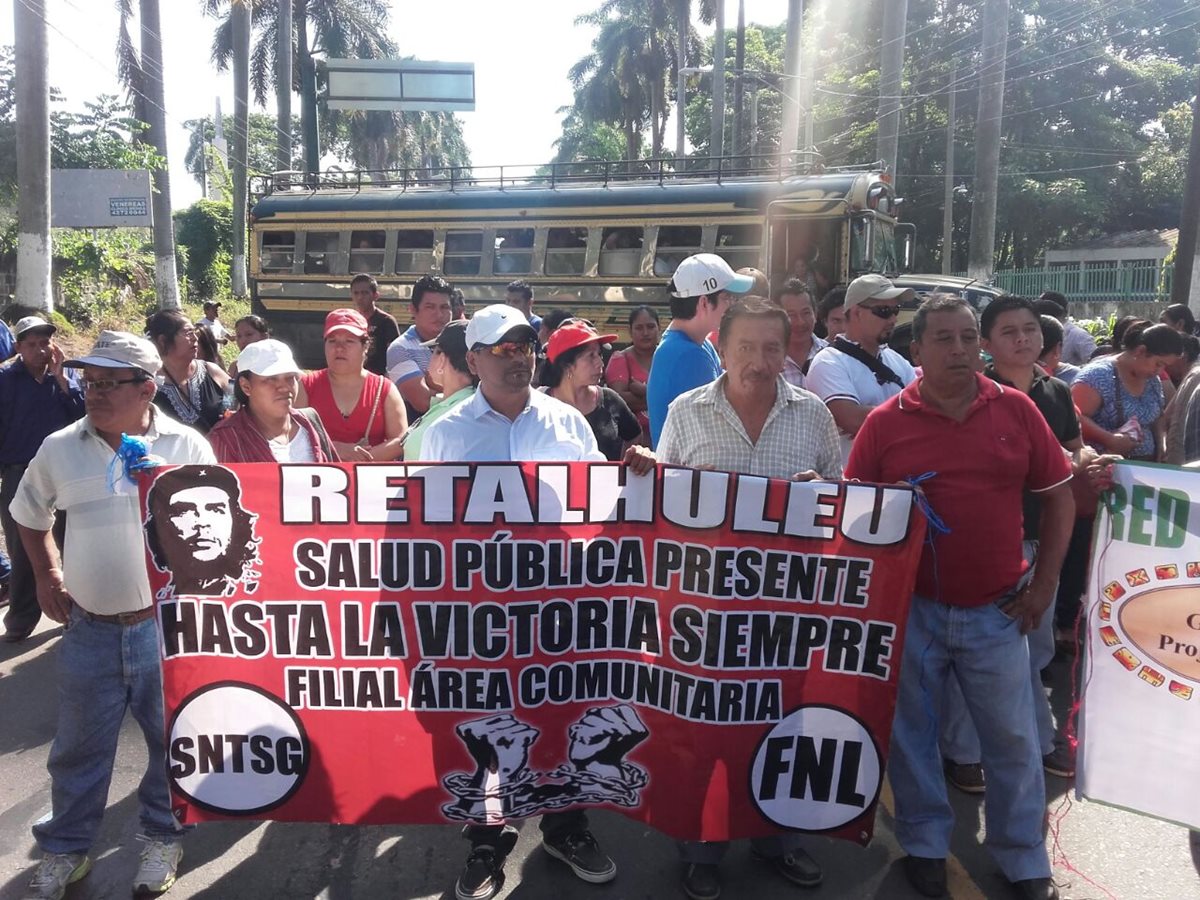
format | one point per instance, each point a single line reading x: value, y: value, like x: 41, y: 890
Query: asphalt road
x: 1100, y: 852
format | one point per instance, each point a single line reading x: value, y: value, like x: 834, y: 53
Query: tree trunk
x: 239, y: 15
x: 283, y: 88
x: 308, y: 92
x: 716, y: 138
x: 739, y: 87
x: 891, y: 65
x: 166, y: 283
x: 1189, y: 220
x: 33, y: 156
x: 981, y: 256
x: 790, y: 129
x: 656, y: 132
x: 683, y: 14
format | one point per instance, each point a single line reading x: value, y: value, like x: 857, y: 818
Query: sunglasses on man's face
x: 510, y: 348
x: 885, y: 312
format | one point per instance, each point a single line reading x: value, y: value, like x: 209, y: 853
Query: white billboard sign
x: 100, y: 198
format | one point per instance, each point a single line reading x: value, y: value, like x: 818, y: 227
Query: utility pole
x: 166, y: 282
x: 791, y: 82
x: 1183, y: 286
x: 239, y: 21
x: 716, y: 138
x: 891, y: 68
x: 948, y: 193
x: 682, y: 15
x: 283, y: 89
x: 33, y: 155
x: 739, y: 87
x: 981, y: 256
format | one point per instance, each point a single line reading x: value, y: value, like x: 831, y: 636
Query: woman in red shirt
x: 361, y: 411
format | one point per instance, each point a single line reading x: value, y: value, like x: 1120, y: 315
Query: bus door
x: 806, y: 244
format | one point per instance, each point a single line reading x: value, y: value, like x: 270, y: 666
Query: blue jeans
x: 984, y: 651
x: 104, y: 669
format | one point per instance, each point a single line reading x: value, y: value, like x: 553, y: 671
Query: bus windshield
x: 872, y: 246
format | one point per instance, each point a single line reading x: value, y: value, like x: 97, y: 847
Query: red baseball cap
x: 570, y: 335
x: 348, y: 320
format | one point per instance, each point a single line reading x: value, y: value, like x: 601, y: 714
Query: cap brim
x: 102, y: 362
x: 896, y: 293
x: 516, y: 333
x: 349, y: 329
x: 47, y: 327
x: 272, y: 371
x: 740, y: 284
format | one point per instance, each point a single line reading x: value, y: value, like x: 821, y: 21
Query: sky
x: 521, y: 50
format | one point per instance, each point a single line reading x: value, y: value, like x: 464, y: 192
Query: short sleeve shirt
x: 680, y: 364
x: 1053, y: 400
x: 406, y: 358
x: 835, y: 376
x: 1117, y: 408
x: 981, y: 467
x: 613, y: 424
x: 383, y: 330
x: 793, y: 370
x: 104, y: 564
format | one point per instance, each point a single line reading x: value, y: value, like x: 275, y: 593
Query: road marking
x: 959, y: 883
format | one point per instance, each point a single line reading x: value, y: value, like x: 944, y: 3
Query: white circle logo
x: 233, y: 748
x: 817, y: 769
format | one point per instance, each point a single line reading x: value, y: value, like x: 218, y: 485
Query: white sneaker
x: 156, y: 873
x: 55, y: 872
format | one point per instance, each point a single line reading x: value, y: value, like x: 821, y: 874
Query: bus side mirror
x: 906, y: 245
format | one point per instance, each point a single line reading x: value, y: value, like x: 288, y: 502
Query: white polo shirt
x: 75, y: 470
x: 546, y: 430
x: 835, y: 376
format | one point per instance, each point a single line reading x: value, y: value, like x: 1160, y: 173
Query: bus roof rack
x: 588, y: 173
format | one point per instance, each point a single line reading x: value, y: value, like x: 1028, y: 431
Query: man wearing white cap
x: 36, y: 399
x: 858, y: 371
x: 108, y: 659
x: 506, y: 420
x: 701, y: 291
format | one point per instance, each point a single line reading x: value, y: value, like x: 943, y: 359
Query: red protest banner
x: 713, y: 654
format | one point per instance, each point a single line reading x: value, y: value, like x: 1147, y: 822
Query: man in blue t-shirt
x: 701, y: 291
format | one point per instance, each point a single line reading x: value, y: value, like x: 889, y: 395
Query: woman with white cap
x: 362, y: 411
x: 268, y: 427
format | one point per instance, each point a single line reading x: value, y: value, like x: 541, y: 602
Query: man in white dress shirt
x: 506, y: 420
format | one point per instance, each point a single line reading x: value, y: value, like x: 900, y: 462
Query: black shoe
x: 1036, y: 889
x: 482, y: 875
x: 702, y: 881
x: 967, y: 777
x: 927, y: 876
x: 797, y: 867
x: 580, y: 851
x: 15, y: 636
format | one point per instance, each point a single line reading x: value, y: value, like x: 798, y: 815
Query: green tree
x: 260, y: 155
x: 205, y: 229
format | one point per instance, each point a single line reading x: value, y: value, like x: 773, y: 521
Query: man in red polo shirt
x: 975, y: 446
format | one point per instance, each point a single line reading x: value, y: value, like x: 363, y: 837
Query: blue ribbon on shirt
x: 935, y: 521
x: 133, y: 455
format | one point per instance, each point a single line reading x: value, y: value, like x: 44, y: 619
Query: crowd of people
x: 1005, y: 421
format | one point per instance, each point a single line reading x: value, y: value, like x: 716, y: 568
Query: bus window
x: 566, y: 251
x: 366, y: 251
x: 414, y: 250
x: 464, y: 250
x: 320, y: 252
x: 277, y: 250
x: 514, y: 251
x: 740, y: 245
x: 675, y: 244
x: 621, y: 251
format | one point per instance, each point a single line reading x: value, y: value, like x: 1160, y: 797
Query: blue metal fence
x: 1147, y: 282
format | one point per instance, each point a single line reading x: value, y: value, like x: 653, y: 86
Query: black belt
x: 126, y: 618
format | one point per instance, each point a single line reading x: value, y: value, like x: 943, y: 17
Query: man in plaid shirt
x: 750, y: 420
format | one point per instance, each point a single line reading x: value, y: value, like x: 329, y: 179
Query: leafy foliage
x: 205, y: 231
x: 100, y: 274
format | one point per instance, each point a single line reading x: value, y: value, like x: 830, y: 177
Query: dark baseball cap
x: 452, y: 340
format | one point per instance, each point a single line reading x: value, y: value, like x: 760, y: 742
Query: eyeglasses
x: 510, y: 348
x: 884, y: 312
x: 104, y: 385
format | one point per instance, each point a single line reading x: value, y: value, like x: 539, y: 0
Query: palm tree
x: 339, y: 29
x: 239, y: 19
x: 141, y: 72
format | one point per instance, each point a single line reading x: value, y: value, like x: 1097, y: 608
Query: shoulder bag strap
x: 878, y: 368
x: 365, y: 440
